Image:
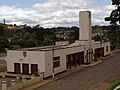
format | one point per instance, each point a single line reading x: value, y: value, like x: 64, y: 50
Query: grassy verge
x: 3, y: 54
x: 114, y: 85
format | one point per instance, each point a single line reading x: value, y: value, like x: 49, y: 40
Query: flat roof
x: 49, y: 48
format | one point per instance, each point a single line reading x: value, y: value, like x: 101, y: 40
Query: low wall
x: 14, y: 85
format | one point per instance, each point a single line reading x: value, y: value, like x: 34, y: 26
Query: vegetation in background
x: 3, y: 54
x: 27, y: 36
x: 114, y: 19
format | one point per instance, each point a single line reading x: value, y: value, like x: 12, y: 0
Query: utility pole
x: 53, y: 57
x: 4, y: 21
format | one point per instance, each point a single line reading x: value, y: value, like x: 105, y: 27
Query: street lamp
x: 53, y: 58
x: 101, y: 51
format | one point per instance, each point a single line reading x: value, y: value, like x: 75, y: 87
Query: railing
x: 21, y: 83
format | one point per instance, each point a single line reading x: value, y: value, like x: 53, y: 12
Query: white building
x: 40, y: 59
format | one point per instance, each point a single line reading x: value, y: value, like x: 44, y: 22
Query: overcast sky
x: 53, y: 13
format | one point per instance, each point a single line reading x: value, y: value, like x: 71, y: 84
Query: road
x: 89, y: 78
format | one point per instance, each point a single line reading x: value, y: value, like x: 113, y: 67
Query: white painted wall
x: 97, y: 45
x: 44, y: 59
x: 74, y: 49
x: 62, y: 53
x: 105, y: 46
x: 33, y: 57
x: 85, y: 30
x: 48, y: 64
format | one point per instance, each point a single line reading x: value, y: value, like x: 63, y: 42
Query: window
x: 106, y: 48
x: 56, y: 62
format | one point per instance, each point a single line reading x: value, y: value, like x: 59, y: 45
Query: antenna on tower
x: 4, y: 21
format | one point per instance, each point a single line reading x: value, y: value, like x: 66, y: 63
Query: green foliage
x: 27, y: 36
x: 3, y: 54
x: 114, y: 85
x: 114, y: 37
x: 30, y: 43
x: 20, y: 77
x: 97, y: 38
x: 114, y: 17
x: 1, y: 30
x: 115, y: 2
x: 3, y: 44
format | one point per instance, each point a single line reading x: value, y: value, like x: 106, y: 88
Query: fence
x: 15, y: 85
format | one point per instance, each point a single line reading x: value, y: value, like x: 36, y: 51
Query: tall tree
x: 114, y: 17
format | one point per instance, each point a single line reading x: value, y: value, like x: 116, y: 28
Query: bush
x: 114, y: 85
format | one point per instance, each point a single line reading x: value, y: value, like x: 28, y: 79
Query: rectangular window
x: 106, y: 48
x: 56, y: 61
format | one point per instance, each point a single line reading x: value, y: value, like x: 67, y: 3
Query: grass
x: 114, y: 85
x: 3, y: 54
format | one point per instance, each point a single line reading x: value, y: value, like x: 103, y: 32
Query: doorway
x: 17, y: 67
x: 25, y: 69
x: 34, y: 69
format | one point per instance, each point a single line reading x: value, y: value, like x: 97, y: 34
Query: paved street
x: 90, y: 78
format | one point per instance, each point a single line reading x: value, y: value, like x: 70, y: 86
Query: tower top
x: 3, y: 21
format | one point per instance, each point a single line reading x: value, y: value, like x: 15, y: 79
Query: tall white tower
x: 85, y: 31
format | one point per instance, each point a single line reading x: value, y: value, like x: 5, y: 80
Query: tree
x: 114, y: 17
x: 1, y: 30
x: 3, y: 44
x: 31, y: 43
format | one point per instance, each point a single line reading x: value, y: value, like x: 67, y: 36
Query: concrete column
x: 67, y: 62
x: 41, y: 75
x: 75, y: 60
x: 3, y: 74
x: 32, y: 78
x: 4, y: 85
x: 13, y: 82
x: 79, y: 57
x: 71, y: 61
x: 86, y: 57
x: 24, y: 79
x: 91, y: 54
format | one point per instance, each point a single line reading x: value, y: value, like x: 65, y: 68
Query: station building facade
x: 60, y: 57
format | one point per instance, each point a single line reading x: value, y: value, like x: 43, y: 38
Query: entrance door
x: 102, y: 51
x: 17, y: 68
x: 82, y: 57
x: 34, y: 69
x: 25, y: 69
x: 96, y: 54
x: 68, y: 62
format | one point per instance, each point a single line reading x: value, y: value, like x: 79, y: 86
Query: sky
x: 53, y: 13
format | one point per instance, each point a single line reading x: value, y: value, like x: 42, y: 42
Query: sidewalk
x: 68, y: 72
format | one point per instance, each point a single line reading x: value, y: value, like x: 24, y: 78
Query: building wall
x: 74, y: 49
x: 44, y: 59
x: 97, y: 45
x: 48, y: 64
x: 32, y: 57
x: 106, y: 48
x: 62, y: 53
x: 85, y: 30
